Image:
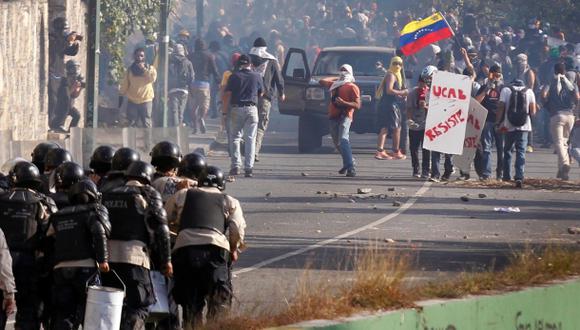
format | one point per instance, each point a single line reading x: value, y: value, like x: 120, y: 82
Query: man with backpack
x: 181, y: 76
x: 516, y: 104
x: 561, y: 97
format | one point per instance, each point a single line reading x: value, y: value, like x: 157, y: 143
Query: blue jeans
x: 243, y: 123
x: 520, y: 140
x: 339, y: 130
x: 435, y: 159
x: 488, y: 136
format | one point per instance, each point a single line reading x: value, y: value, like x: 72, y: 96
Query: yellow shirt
x: 139, y: 89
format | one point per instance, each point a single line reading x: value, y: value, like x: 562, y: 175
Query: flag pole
x: 453, y: 32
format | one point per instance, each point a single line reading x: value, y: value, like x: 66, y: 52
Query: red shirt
x: 348, y: 92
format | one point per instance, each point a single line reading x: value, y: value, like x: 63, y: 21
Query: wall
x: 23, y: 68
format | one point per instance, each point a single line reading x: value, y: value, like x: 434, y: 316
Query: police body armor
x: 74, y: 240
x: 127, y: 214
x: 113, y: 180
x: 203, y: 210
x: 18, y: 218
x: 61, y: 199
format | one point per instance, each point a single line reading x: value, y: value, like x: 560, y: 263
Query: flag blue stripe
x: 416, y: 35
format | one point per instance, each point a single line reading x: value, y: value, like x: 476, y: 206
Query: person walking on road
x: 517, y: 104
x: 205, y: 67
x: 181, y: 77
x: 392, y: 93
x: 561, y: 99
x: 242, y: 91
x: 137, y: 86
x: 268, y: 67
x: 210, y: 227
x: 345, y: 99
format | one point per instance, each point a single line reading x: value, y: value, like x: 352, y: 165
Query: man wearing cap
x: 268, y: 67
x: 345, y: 99
x: 242, y: 91
x: 488, y: 96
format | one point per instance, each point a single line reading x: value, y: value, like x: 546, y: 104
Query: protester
x: 517, y: 104
x: 526, y: 74
x: 561, y: 99
x: 345, y: 99
x: 137, y: 86
x: 181, y: 76
x: 392, y: 93
x: 69, y: 89
x: 205, y: 67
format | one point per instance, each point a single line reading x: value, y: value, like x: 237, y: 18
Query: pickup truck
x: 308, y: 100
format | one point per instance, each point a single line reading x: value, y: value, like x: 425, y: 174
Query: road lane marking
x: 382, y: 220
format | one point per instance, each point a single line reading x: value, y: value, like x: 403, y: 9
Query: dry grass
x: 379, y: 285
x: 529, y: 183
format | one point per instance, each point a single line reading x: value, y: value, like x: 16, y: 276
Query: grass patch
x: 379, y: 284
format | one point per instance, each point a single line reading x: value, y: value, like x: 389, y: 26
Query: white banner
x: 447, y: 115
x: 475, y: 123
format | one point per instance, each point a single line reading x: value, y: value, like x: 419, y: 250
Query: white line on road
x: 382, y: 220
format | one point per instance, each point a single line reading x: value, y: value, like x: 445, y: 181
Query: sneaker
x: 235, y: 171
x: 445, y: 177
x: 399, y: 155
x: 519, y: 184
x: 530, y: 149
x: 382, y: 155
x: 248, y: 173
x: 194, y: 129
x: 565, y: 172
x: 256, y: 159
x: 425, y: 176
x: 559, y: 174
x: 60, y: 130
x: 342, y: 170
x: 202, y: 126
x: 351, y: 173
x: 416, y: 174
x: 434, y: 179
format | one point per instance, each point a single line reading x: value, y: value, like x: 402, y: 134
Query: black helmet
x: 192, y: 166
x: 55, y: 157
x: 25, y: 174
x: 140, y: 170
x: 67, y: 174
x: 39, y: 153
x: 87, y: 187
x: 72, y: 66
x: 123, y: 158
x: 165, y: 155
x: 214, y: 178
x: 101, y: 159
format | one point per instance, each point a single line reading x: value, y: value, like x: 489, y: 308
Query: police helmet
x: 214, y: 177
x: 101, y: 159
x: 55, y: 157
x: 192, y: 166
x: 67, y: 174
x: 140, y: 170
x: 123, y: 158
x: 25, y: 174
x: 39, y: 153
x: 165, y: 155
x: 86, y: 187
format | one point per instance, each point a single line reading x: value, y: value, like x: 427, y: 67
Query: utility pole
x: 199, y: 14
x: 163, y: 57
x: 93, y: 53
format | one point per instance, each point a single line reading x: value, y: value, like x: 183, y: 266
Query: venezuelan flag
x: 418, y: 34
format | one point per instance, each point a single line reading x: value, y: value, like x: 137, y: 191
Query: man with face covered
x: 137, y: 86
x: 69, y: 89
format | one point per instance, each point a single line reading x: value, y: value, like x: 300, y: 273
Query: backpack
x: 517, y: 111
x: 562, y: 101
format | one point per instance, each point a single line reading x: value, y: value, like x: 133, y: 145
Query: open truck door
x: 296, y: 74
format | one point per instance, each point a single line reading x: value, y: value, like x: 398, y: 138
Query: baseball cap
x: 244, y: 59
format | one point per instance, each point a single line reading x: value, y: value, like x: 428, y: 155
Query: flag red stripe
x: 412, y: 48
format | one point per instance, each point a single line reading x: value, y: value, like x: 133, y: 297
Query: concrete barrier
x: 550, y: 307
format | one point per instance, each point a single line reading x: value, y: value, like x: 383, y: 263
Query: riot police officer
x: 25, y: 213
x: 39, y: 153
x: 139, y: 224
x: 210, y: 228
x: 121, y: 160
x: 80, y: 235
x: 100, y: 163
x: 65, y: 175
x: 165, y: 156
x: 53, y: 158
x: 189, y: 170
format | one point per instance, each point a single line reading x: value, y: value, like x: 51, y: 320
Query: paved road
x: 295, y: 222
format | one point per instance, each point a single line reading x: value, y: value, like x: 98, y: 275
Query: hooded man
x: 268, y: 67
x: 181, y: 77
x: 345, y: 99
x: 204, y: 66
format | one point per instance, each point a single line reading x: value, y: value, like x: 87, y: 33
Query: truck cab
x: 308, y: 100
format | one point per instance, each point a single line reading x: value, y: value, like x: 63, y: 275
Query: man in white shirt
x: 515, y: 134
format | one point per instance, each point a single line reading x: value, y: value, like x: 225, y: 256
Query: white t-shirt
x: 504, y: 97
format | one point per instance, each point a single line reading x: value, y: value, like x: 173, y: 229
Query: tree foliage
x: 119, y: 20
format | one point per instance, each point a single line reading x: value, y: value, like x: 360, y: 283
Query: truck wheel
x: 309, y: 134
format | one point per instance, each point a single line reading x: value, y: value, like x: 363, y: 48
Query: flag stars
x: 420, y: 32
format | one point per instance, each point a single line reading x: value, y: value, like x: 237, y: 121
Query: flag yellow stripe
x: 416, y: 25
